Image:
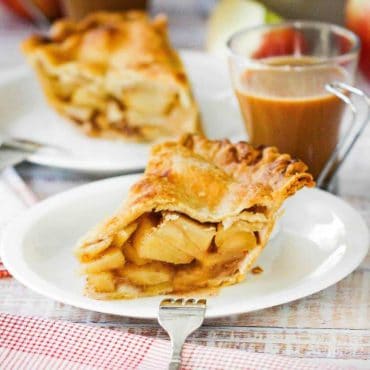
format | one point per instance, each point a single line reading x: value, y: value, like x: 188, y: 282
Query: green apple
x: 230, y: 16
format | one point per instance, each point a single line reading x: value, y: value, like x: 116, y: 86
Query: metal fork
x: 26, y: 145
x: 179, y: 318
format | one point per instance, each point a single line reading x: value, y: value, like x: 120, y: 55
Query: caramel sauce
x: 288, y: 107
x: 257, y: 270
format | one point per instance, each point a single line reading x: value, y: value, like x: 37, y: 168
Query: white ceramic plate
x: 25, y: 114
x: 321, y: 240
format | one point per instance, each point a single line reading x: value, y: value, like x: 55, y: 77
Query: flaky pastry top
x: 211, y: 181
x: 109, y: 41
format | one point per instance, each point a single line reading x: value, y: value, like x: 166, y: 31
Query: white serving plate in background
x: 25, y: 114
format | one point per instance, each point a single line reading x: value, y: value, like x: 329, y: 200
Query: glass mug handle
x: 358, y: 123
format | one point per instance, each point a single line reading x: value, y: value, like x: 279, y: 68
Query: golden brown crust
x: 211, y: 182
x: 101, y: 73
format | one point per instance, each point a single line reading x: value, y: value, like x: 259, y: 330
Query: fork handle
x: 175, y: 362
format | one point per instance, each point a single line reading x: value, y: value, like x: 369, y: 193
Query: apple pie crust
x: 115, y: 75
x: 197, y: 219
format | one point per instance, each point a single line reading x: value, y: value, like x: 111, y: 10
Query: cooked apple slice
x: 150, y: 274
x: 89, y: 251
x: 123, y: 235
x: 102, y: 282
x: 159, y: 289
x: 96, y: 242
x: 194, y: 275
x: 196, y: 237
x: 159, y: 243
x: 210, y: 260
x: 235, y: 238
x: 113, y: 258
x: 153, y: 100
x: 132, y: 256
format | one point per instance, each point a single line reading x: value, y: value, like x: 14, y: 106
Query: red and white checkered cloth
x: 30, y: 343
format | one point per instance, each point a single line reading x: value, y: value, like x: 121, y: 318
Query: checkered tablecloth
x: 29, y: 343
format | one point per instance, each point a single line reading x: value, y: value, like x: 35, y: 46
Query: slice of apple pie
x: 115, y: 75
x: 197, y: 219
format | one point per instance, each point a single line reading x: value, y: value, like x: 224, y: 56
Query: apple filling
x: 130, y: 106
x: 167, y: 253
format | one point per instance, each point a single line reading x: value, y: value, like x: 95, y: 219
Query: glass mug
x: 293, y: 83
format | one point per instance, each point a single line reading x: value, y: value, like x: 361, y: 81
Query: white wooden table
x: 333, y: 324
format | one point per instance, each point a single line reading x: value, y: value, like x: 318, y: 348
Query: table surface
x: 333, y: 324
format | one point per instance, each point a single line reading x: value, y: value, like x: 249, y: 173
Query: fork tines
x: 180, y: 302
x: 180, y: 317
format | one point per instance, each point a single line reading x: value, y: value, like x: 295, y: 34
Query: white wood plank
x: 343, y: 306
x: 311, y: 343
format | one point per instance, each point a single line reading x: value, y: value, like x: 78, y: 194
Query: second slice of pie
x: 197, y: 219
x: 115, y: 75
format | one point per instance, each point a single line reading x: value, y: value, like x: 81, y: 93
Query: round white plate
x: 321, y: 240
x: 25, y: 114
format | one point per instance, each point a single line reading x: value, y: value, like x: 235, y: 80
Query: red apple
x: 50, y: 8
x: 279, y: 42
x: 358, y: 20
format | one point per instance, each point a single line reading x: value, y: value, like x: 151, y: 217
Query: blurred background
x: 188, y: 19
x: 195, y: 24
x: 201, y: 25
